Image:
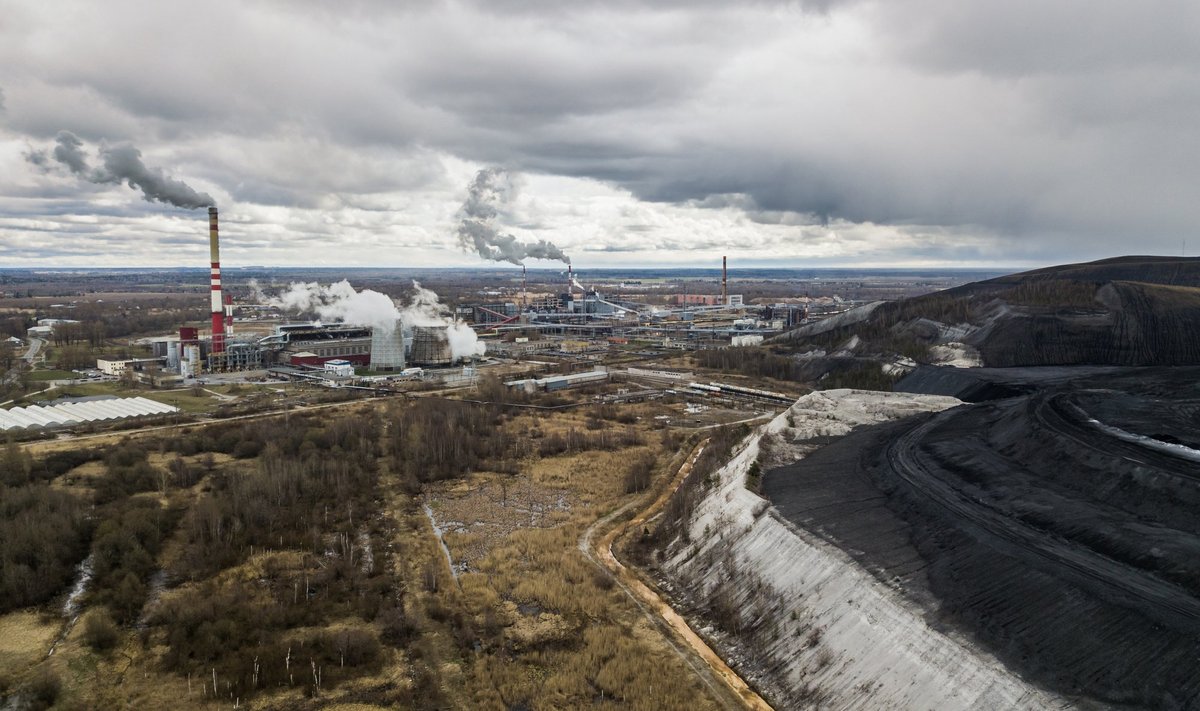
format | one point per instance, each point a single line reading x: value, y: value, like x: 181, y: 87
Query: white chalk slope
x: 842, y: 639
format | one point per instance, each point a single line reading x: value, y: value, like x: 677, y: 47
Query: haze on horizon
x: 810, y: 134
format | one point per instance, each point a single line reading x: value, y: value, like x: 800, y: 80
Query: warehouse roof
x: 35, y: 417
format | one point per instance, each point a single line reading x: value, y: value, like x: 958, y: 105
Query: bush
x: 638, y: 475
x: 124, y: 551
x: 99, y: 631
x: 42, y: 688
x: 43, y: 534
x: 247, y: 449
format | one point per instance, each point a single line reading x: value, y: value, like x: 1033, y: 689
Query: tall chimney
x: 724, y: 281
x: 218, y: 304
x: 524, y: 293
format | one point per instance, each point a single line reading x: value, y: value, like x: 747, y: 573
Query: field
x: 411, y: 554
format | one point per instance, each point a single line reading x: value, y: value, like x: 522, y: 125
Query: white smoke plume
x: 338, y: 303
x: 490, y: 189
x: 121, y: 164
x: 342, y: 303
x: 425, y: 309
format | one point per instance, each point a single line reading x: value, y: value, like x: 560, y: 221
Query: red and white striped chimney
x: 218, y: 304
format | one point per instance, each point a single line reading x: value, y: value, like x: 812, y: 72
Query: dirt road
x: 596, y: 543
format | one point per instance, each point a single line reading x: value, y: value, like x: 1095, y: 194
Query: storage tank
x: 387, y: 347
x: 430, y: 345
x: 189, y: 364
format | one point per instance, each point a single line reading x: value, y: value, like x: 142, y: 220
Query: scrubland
x: 289, y: 562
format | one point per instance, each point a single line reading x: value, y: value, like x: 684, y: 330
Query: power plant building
x: 315, y: 344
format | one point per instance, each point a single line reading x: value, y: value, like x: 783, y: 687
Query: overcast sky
x: 925, y: 132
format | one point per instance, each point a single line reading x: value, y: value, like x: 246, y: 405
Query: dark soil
x: 1071, y: 553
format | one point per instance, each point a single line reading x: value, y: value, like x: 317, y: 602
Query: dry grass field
x: 354, y: 604
x: 25, y: 637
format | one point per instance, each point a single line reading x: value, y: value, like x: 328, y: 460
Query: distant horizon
x: 703, y: 266
x: 517, y: 270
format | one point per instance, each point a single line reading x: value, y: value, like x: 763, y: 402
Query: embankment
x: 798, y: 616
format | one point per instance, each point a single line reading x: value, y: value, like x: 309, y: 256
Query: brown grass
x: 531, y: 623
x: 25, y: 637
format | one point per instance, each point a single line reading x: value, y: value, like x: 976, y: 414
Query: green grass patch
x: 40, y: 375
x: 78, y: 390
x: 183, y: 399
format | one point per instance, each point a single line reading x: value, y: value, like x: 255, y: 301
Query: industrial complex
x: 559, y: 320
x: 512, y: 322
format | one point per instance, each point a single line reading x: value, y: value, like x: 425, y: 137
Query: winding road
x: 913, y: 464
x: 596, y: 544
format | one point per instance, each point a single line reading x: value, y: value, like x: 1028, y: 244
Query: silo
x: 189, y: 364
x: 430, y: 346
x: 387, y: 347
x: 173, y: 355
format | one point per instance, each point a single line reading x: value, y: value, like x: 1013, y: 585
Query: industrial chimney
x: 218, y: 304
x: 724, y: 281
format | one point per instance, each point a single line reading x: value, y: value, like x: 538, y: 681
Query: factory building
x: 119, y: 367
x: 495, y: 313
x: 340, y: 368
x: 709, y: 300
x: 560, y: 382
x: 314, y: 343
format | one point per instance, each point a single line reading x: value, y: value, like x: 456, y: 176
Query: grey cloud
x: 69, y: 152
x: 38, y: 158
x: 1026, y: 37
x: 1070, y: 122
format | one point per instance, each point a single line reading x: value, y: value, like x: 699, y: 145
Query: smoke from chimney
x: 342, y: 303
x: 490, y: 189
x: 122, y: 164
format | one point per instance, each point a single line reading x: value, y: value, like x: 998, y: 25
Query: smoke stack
x: 218, y: 304
x: 524, y: 287
x: 570, y: 280
x: 724, y: 281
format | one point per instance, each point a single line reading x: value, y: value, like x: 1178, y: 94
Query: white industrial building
x: 339, y: 368
x: 65, y: 414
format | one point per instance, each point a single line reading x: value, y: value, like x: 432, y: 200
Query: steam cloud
x: 491, y: 188
x: 425, y: 309
x: 342, y: 303
x: 121, y: 164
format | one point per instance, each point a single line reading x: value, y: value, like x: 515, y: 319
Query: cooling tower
x: 430, y: 345
x: 387, y: 348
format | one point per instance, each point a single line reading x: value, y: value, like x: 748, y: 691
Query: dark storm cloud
x: 1059, y: 122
